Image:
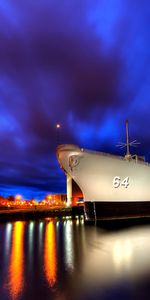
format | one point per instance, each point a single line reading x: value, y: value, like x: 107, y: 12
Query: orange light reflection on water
x: 50, y: 257
x: 16, y: 276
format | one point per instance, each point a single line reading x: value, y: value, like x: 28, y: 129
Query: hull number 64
x: 117, y: 182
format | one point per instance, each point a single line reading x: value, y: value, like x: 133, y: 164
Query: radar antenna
x: 128, y: 144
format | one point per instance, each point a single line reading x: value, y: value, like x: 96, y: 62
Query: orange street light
x: 18, y: 197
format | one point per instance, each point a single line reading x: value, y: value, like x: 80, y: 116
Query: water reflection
x: 50, y: 256
x: 112, y: 256
x: 69, y: 249
x: 122, y: 252
x: 63, y: 257
x: 8, y: 238
x: 16, y: 271
x: 30, y: 243
x: 40, y: 246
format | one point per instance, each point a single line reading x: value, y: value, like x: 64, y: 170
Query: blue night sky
x: 84, y: 64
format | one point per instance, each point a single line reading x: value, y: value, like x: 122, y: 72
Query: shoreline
x: 36, y: 213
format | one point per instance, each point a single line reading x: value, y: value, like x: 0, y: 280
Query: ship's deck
x: 114, y: 156
x: 72, y: 147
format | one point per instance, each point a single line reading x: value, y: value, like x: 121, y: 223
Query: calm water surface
x: 64, y: 259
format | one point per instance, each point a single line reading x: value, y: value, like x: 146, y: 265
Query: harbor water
x: 65, y: 259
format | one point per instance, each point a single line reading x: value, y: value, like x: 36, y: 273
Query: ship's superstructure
x: 113, y: 186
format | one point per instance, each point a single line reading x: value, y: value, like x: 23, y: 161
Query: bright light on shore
x: 18, y: 197
x: 57, y: 125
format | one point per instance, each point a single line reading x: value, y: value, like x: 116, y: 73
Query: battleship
x: 113, y: 187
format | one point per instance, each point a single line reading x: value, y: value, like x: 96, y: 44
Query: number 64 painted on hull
x: 117, y: 182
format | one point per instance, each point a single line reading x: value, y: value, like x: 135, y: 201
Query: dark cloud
x: 83, y: 64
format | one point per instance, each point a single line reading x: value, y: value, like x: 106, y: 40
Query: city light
x: 18, y: 197
x: 50, y: 201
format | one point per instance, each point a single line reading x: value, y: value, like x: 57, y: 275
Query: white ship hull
x: 110, y: 184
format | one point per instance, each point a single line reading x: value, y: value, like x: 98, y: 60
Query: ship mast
x: 127, y: 145
x: 127, y: 139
